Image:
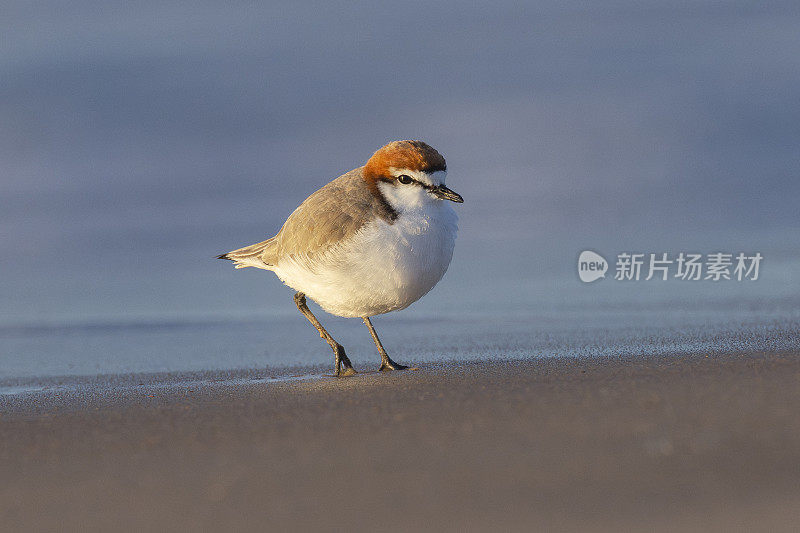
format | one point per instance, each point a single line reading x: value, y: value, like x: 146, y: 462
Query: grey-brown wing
x: 330, y: 215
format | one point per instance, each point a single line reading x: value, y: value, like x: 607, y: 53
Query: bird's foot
x: 388, y: 364
x: 343, y: 366
x: 345, y: 372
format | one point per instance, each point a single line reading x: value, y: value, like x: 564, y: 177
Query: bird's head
x: 409, y: 174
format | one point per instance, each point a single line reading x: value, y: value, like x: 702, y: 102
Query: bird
x: 372, y: 241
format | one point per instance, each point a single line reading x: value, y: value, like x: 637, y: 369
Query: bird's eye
x: 405, y: 180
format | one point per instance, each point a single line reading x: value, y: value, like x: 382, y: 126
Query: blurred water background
x: 139, y: 140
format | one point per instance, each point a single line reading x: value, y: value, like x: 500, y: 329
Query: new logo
x: 591, y: 266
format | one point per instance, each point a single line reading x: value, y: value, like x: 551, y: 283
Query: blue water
x: 138, y: 142
x: 275, y: 343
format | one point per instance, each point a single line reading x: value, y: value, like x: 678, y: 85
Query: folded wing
x: 324, y: 220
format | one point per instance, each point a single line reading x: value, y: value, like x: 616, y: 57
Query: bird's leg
x: 343, y: 366
x: 386, y: 361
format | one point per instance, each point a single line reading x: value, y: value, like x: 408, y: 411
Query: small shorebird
x: 373, y: 240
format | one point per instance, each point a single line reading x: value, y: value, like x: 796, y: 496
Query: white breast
x: 383, y: 267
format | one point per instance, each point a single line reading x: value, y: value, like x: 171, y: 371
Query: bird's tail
x: 250, y: 256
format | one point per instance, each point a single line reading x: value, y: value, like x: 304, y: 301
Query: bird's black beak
x: 443, y: 193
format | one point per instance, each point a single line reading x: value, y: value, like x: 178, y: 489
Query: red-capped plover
x: 373, y: 240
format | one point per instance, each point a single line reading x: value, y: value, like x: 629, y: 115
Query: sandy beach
x: 666, y: 443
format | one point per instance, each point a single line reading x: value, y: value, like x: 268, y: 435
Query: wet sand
x: 667, y: 443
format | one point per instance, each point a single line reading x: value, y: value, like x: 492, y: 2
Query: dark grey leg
x: 386, y: 361
x: 343, y: 366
